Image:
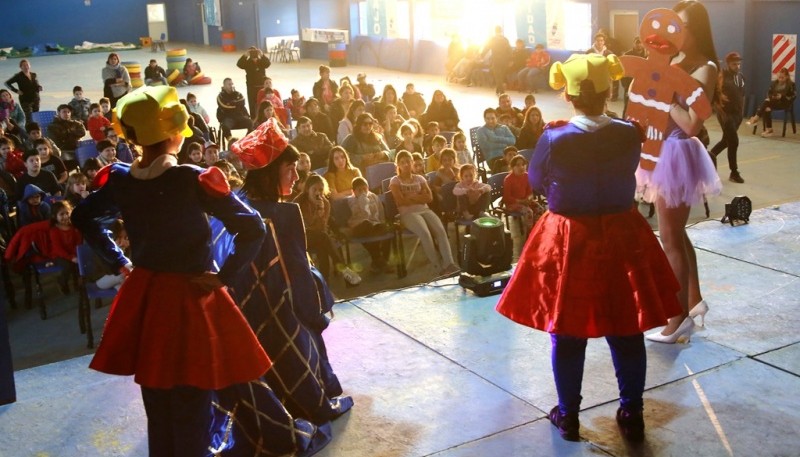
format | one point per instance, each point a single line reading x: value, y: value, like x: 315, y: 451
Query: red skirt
x: 592, y: 276
x: 167, y: 332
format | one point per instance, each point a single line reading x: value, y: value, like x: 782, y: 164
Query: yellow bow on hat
x: 600, y: 70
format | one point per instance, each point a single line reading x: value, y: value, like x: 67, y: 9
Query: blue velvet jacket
x: 167, y: 222
x: 586, y: 172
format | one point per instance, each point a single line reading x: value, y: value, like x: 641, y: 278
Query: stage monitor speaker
x: 738, y: 210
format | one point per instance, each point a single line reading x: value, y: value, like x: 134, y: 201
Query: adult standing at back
x: 501, y: 56
x: 116, y: 79
x: 27, y: 87
x: 255, y: 64
x: 731, y: 115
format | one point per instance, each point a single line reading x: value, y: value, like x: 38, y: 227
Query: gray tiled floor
x: 435, y: 371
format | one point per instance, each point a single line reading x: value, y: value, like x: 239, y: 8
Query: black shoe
x: 567, y: 424
x: 631, y: 424
x: 736, y: 177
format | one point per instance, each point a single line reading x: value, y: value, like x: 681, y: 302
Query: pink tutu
x: 684, y: 173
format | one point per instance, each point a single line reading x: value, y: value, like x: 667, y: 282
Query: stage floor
x: 435, y: 370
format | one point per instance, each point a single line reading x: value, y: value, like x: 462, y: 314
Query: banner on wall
x: 554, y: 13
x: 213, y: 16
x: 531, y: 23
x: 377, y: 18
x: 784, y: 54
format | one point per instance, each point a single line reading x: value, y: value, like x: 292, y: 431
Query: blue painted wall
x: 70, y: 22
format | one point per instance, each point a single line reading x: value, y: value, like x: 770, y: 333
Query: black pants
x: 322, y: 245
x: 178, y: 421
x: 235, y: 122
x: 28, y: 107
x: 378, y: 250
x: 252, y: 98
x: 730, y: 139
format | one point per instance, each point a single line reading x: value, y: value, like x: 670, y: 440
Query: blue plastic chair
x: 89, y: 292
x: 44, y: 119
x: 84, y: 153
x: 340, y: 215
x: 376, y: 173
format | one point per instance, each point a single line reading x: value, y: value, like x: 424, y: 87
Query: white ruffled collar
x: 590, y: 123
x: 155, y: 169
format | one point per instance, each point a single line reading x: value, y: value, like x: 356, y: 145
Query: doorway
x: 157, y: 21
x: 624, y: 28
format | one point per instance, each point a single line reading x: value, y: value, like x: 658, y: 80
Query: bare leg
x: 695, y: 296
x: 672, y: 228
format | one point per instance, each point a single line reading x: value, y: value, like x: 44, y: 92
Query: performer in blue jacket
x: 591, y: 266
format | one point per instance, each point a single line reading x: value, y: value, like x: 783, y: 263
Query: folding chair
x: 340, y: 215
x: 449, y: 211
x: 88, y: 292
x: 376, y: 173
x: 84, y: 153
x: 44, y: 119
x: 479, y: 159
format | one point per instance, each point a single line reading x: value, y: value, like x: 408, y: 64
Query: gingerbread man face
x: 662, y: 31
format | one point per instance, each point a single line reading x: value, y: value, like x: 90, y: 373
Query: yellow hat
x: 579, y: 67
x: 150, y: 115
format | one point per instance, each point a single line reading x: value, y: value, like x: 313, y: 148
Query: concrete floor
x: 435, y: 371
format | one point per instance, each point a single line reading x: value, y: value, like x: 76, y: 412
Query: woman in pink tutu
x: 684, y: 172
x: 591, y: 266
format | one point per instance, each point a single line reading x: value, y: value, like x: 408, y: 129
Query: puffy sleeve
x: 239, y: 220
x: 537, y: 169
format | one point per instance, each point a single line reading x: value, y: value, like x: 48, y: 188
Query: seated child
x: 463, y: 154
x: 32, y: 207
x: 304, y: 163
x: 437, y: 144
x: 49, y: 162
x: 90, y: 168
x: 417, y: 164
x: 210, y: 153
x: 518, y: 198
x: 105, y: 108
x: 64, y: 241
x: 367, y: 219
x: 120, y: 235
x: 502, y: 164
x: 431, y: 130
x: 473, y: 196
x: 34, y: 133
x: 447, y: 173
x: 235, y: 180
x: 316, y: 209
x: 97, y: 123
x: 42, y: 179
x: 194, y: 107
x: 79, y: 105
x: 296, y: 104
x: 77, y: 188
x: 107, y: 153
x: 195, y: 155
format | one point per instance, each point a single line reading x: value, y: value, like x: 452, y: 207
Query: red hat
x: 261, y: 146
x: 733, y: 57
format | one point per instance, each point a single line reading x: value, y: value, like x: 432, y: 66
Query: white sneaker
x: 351, y: 276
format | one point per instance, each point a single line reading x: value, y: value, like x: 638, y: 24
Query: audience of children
x: 316, y: 209
x: 125, y: 153
x: 49, y: 162
x: 438, y: 143
x: 532, y: 128
x: 446, y: 173
x: 32, y: 206
x: 472, y: 195
x: 406, y: 139
x: 105, y: 108
x: 90, y: 168
x: 367, y: 219
x: 194, y: 106
x: 418, y: 164
x: 296, y: 104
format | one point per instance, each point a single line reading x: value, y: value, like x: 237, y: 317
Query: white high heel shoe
x: 685, y: 328
x: 700, y: 309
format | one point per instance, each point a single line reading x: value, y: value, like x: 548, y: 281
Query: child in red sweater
x: 64, y: 241
x: 97, y: 123
x: 518, y: 198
